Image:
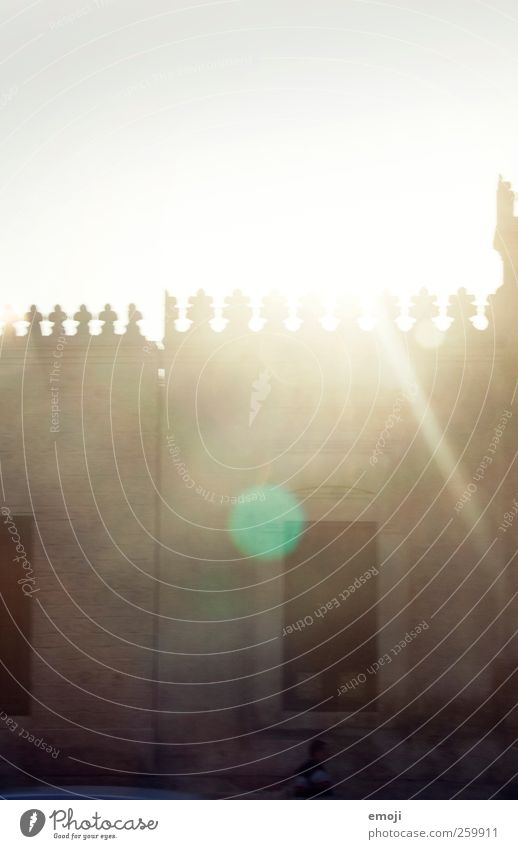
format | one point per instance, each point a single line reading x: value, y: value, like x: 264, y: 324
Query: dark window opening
x: 330, y: 595
x: 15, y: 614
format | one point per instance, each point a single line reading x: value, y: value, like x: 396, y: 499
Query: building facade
x: 236, y: 541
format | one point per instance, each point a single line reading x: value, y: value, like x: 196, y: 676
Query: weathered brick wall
x: 157, y: 644
x: 79, y: 428
x: 318, y: 433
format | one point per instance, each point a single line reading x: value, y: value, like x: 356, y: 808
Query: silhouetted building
x: 143, y: 635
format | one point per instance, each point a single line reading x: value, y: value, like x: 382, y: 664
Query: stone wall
x: 157, y: 634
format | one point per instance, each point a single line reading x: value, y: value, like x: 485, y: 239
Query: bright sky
x: 262, y: 144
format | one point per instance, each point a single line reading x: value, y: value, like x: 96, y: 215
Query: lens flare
x: 266, y: 523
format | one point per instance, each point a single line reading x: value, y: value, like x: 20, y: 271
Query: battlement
x: 241, y: 313
x: 82, y: 324
x: 459, y: 313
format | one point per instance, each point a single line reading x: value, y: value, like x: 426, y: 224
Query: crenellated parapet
x: 276, y: 312
x: 424, y: 317
x: 79, y: 327
x: 457, y: 316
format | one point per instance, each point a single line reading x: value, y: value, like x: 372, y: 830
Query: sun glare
x: 272, y: 203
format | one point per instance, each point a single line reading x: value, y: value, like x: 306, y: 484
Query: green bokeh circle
x: 266, y: 522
